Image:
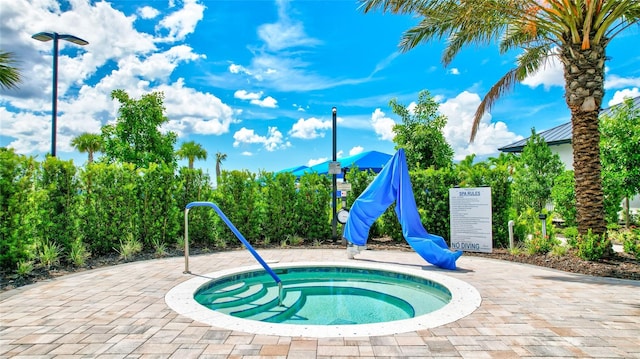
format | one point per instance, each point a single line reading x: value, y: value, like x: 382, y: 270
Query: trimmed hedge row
x: 102, y: 205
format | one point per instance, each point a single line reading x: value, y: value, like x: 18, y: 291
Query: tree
x: 9, y: 74
x: 576, y: 31
x: 191, y: 151
x: 89, y: 143
x: 420, y: 134
x: 620, y: 148
x: 136, y: 136
x: 220, y: 157
x: 535, y: 174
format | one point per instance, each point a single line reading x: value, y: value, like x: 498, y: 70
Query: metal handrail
x: 234, y: 230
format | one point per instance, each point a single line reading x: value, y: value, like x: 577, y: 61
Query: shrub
x: 49, y: 254
x: 631, y: 243
x: 564, y: 197
x: 559, y: 250
x: 78, y: 253
x: 539, y: 244
x: 25, y: 268
x: 571, y: 233
x: 593, y: 247
x: 130, y: 247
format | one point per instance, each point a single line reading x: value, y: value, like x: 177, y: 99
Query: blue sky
x: 257, y: 80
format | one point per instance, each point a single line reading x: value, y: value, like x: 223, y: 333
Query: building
x: 559, y: 141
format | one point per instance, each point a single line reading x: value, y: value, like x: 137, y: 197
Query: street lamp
x: 44, y: 37
x: 334, y: 219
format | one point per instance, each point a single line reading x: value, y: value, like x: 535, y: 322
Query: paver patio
x: 120, y: 312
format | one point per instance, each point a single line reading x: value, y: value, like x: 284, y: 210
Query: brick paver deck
x: 119, y: 312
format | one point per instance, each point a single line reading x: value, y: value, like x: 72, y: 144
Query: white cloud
x: 183, y: 22
x: 271, y: 142
x: 195, y: 112
x: 147, y: 12
x: 382, y: 125
x: 614, y: 81
x: 549, y: 74
x: 254, y: 98
x: 268, y: 101
x: 454, y: 71
x: 284, y: 33
x: 245, y: 95
x: 313, y: 162
x: 619, y: 96
x: 356, y: 150
x: 238, y: 69
x: 310, y: 128
x: 491, y: 135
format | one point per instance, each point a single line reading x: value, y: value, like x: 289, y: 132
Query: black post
x: 54, y: 95
x: 334, y: 218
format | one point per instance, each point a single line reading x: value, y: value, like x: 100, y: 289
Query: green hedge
x: 102, y: 205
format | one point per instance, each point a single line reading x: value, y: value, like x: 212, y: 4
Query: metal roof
x: 559, y: 134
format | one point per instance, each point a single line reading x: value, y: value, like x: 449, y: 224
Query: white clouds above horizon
x: 271, y: 142
x: 491, y: 135
x: 616, y: 82
x: 548, y: 75
x: 356, y: 150
x: 254, y: 98
x: 382, y: 125
x: 310, y: 128
x: 620, y: 96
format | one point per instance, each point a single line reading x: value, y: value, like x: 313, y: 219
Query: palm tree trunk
x: 584, y: 75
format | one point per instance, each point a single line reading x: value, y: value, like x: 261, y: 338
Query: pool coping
x: 465, y: 299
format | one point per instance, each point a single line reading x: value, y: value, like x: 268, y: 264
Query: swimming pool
x: 453, y: 299
x: 322, y: 295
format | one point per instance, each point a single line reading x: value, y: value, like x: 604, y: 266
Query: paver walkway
x: 119, y: 312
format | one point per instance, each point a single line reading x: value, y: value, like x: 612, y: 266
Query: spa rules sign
x: 471, y: 219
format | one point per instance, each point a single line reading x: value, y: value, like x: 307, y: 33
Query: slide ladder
x: 235, y: 231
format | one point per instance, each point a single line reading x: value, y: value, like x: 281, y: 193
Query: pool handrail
x: 233, y: 229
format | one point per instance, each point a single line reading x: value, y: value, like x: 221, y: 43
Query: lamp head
x: 43, y: 36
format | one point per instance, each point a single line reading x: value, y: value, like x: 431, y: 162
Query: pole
x: 334, y: 218
x: 54, y: 95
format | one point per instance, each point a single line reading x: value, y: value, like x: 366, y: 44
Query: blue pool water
x: 322, y: 295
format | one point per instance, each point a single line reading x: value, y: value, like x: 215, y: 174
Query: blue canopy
x: 370, y: 160
x: 393, y: 184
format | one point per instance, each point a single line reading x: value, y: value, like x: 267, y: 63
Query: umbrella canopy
x: 370, y: 160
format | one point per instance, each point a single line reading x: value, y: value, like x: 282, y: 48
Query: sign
x: 334, y: 168
x: 470, y: 210
x: 344, y: 186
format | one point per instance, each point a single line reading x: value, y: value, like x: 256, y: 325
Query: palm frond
x: 9, y: 74
x: 506, y: 83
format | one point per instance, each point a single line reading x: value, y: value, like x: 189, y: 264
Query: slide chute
x: 393, y: 184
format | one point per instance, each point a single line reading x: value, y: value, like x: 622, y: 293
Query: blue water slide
x: 238, y: 234
x: 393, y: 184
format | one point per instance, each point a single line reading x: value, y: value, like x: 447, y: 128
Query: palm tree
x: 9, y: 75
x: 88, y: 142
x: 576, y: 31
x: 219, y: 158
x: 191, y: 151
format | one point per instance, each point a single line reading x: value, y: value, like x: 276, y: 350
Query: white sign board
x: 470, y: 210
x: 334, y: 168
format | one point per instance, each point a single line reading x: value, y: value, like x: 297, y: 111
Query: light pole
x: 44, y: 37
x: 334, y: 219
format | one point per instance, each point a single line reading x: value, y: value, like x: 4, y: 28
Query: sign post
x: 470, y: 210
